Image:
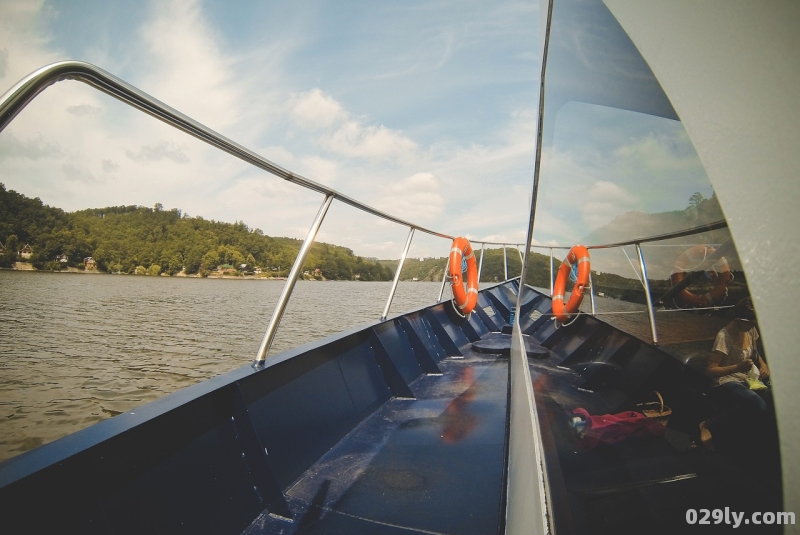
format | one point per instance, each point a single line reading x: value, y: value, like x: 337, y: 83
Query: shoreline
x: 72, y: 270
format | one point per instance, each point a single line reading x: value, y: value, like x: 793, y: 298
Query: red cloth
x: 613, y: 428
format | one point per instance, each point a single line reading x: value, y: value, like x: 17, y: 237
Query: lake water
x: 77, y: 348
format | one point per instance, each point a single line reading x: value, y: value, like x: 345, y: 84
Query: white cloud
x: 603, y: 191
x: 607, y: 162
x: 78, y: 173
x: 3, y: 62
x: 25, y: 47
x: 415, y: 198
x: 277, y: 207
x: 341, y: 134
x: 315, y: 110
x: 515, y: 237
x: 604, y: 201
x: 33, y: 148
x: 319, y: 169
x: 110, y: 166
x: 657, y: 153
x: 154, y: 153
x: 81, y: 110
x: 356, y: 140
x: 186, y: 68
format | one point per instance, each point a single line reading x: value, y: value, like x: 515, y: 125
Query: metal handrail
x: 397, y: 274
x: 27, y: 89
x: 497, y: 243
x: 286, y: 293
x: 648, y: 297
x: 16, y: 98
x: 22, y: 93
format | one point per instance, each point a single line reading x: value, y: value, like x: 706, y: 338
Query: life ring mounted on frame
x: 464, y: 300
x: 577, y: 256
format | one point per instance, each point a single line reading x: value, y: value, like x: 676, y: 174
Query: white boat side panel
x: 526, y: 476
x: 732, y: 72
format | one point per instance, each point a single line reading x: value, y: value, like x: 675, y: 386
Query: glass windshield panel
x: 611, y: 175
x: 660, y: 319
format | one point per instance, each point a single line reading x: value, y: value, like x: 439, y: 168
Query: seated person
x: 734, y: 353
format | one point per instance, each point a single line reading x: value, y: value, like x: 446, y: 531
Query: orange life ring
x: 690, y: 260
x: 579, y: 255
x: 465, y: 300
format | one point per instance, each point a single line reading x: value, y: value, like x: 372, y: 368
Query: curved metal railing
x: 15, y: 99
x: 21, y: 94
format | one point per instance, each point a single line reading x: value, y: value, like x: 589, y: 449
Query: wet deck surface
x: 430, y: 465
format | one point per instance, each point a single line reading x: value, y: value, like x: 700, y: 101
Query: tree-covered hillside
x: 124, y: 238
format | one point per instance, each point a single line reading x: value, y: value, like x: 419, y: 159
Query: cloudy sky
x: 425, y: 110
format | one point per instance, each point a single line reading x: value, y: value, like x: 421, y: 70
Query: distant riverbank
x: 24, y: 266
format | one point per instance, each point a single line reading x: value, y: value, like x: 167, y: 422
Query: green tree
x: 230, y: 255
x: 12, y: 245
x: 696, y: 199
x: 141, y: 270
x: 154, y: 270
x: 9, y: 255
x: 192, y: 260
x: 209, y: 263
x: 175, y: 264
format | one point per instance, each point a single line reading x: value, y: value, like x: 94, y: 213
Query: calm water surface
x: 76, y: 349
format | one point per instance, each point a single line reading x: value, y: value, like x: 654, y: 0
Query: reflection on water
x: 77, y: 349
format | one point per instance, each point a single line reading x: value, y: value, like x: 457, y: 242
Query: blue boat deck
x: 433, y: 464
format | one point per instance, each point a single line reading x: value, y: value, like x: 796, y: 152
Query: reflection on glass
x: 457, y: 420
x: 618, y: 167
x: 740, y: 377
x: 613, y: 175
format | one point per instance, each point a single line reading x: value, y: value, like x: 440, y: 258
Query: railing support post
x: 480, y: 264
x: 505, y: 263
x: 397, y: 275
x: 646, y: 283
x: 283, y: 300
x: 444, y: 279
x: 551, y: 272
x: 591, y: 293
x: 521, y: 261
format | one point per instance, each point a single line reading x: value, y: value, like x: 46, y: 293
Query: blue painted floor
x: 434, y: 464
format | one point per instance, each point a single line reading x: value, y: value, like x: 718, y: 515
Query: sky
x: 425, y: 110
x: 422, y: 109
